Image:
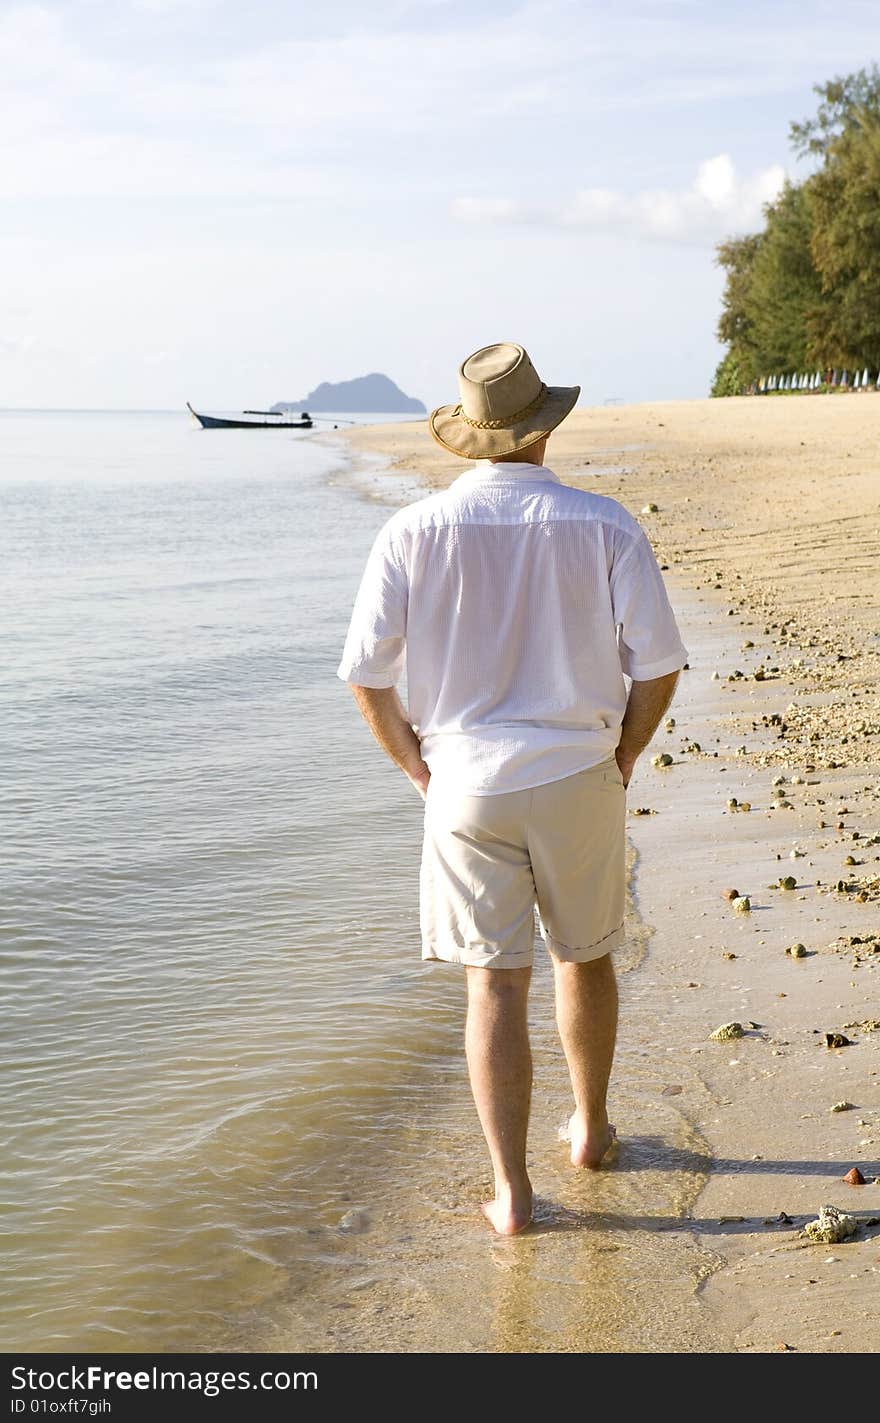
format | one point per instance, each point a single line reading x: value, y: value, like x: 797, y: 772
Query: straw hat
x: 504, y: 407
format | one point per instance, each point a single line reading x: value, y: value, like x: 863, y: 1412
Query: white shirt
x: 515, y: 604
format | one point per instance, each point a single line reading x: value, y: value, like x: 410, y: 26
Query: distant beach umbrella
x: 877, y: 385
x: 835, y: 376
x: 866, y: 376
x: 844, y: 379
x: 857, y: 380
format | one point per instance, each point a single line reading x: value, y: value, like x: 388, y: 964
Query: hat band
x: 508, y: 420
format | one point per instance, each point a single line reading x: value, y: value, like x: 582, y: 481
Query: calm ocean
x: 209, y: 935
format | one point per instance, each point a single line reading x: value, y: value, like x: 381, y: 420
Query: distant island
x: 373, y: 394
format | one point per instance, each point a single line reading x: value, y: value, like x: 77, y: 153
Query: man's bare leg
x: 500, y: 1065
x: 586, y: 1014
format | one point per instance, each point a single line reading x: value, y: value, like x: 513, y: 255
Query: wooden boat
x: 269, y: 421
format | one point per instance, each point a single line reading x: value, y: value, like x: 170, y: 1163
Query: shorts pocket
x: 613, y: 777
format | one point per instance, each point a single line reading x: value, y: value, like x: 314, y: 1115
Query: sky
x: 227, y: 204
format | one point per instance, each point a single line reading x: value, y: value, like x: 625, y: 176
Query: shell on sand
x: 831, y: 1226
x: 837, y: 1040
x: 854, y: 1177
x: 727, y: 1032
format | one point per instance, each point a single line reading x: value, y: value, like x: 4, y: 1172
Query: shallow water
x: 219, y: 1039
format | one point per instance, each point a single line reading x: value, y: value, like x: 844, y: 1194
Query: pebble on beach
x: 831, y: 1226
x: 730, y: 894
x: 664, y: 759
x: 787, y: 882
x: 727, y: 1032
x: 742, y: 904
x: 837, y: 1040
x: 842, y: 1107
x: 797, y: 951
x: 355, y: 1222
x: 650, y: 509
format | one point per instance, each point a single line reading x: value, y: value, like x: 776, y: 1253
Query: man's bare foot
x: 510, y: 1212
x: 590, y: 1145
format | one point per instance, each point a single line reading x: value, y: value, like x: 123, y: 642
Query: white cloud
x: 718, y: 202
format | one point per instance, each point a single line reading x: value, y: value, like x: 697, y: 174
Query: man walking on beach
x: 516, y: 605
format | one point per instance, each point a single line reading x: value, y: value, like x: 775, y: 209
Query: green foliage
x: 737, y: 256
x: 805, y: 291
x: 845, y: 245
x: 841, y: 99
x: 784, y: 288
x: 728, y: 378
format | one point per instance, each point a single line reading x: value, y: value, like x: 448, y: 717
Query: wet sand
x: 768, y: 524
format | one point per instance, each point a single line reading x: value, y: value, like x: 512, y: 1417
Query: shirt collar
x: 485, y: 472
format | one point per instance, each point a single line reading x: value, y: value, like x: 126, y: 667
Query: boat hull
x: 216, y: 422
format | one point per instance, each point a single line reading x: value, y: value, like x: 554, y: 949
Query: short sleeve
x: 649, y: 642
x: 374, y: 650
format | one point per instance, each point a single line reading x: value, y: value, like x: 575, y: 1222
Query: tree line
x: 801, y: 303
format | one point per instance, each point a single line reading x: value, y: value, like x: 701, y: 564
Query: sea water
x: 209, y: 965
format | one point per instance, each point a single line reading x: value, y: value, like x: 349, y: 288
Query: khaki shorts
x: 488, y: 860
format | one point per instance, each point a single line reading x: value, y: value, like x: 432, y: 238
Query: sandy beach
x: 766, y: 525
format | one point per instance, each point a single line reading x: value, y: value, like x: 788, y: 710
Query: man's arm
x: 384, y: 714
x: 646, y: 704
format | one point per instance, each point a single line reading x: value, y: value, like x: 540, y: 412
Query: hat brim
x: 452, y: 431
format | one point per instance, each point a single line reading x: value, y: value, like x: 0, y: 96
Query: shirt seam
x: 527, y: 523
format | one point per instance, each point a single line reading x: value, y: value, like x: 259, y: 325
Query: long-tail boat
x: 259, y: 420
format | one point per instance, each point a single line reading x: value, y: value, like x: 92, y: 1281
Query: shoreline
x: 796, y: 719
